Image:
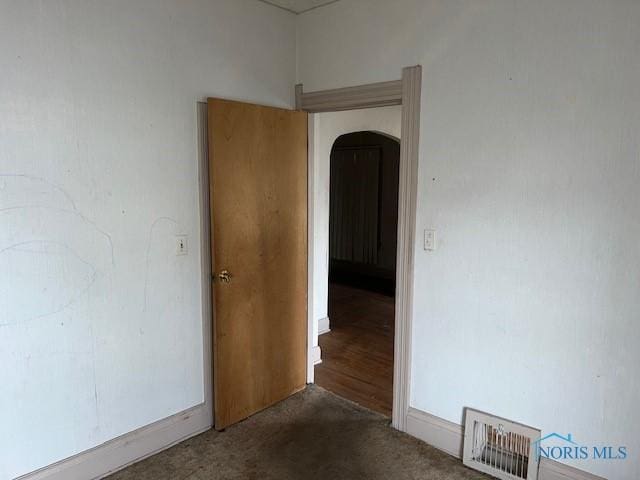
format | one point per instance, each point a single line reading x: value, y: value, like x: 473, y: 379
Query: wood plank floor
x: 357, y: 355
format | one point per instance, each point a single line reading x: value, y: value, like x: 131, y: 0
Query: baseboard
x: 552, y: 470
x: 449, y: 437
x: 323, y: 326
x: 316, y: 355
x: 437, y: 432
x: 132, y: 447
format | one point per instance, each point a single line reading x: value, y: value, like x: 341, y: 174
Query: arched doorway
x: 363, y: 220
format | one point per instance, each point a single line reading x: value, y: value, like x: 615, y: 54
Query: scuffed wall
x: 100, y: 320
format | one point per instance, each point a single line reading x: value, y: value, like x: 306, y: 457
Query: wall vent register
x: 499, y: 447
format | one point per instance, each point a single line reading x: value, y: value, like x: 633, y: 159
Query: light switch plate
x: 429, y: 240
x: 182, y: 245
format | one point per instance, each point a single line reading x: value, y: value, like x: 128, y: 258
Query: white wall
x: 327, y: 128
x: 100, y: 322
x: 529, y: 171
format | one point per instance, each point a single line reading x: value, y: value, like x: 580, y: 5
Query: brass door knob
x: 224, y: 276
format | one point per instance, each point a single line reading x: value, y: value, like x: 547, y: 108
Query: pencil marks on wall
x: 54, y: 297
x: 51, y: 253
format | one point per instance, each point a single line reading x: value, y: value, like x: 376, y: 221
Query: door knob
x: 224, y: 276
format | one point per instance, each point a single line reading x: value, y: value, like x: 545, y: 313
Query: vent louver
x: 500, y: 447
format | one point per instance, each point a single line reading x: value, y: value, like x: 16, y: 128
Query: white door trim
x: 382, y: 94
x: 405, y: 92
x: 205, y: 254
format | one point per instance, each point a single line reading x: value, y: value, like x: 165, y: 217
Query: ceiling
x: 299, y: 6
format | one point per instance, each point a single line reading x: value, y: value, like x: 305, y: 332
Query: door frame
x: 407, y: 93
x: 205, y: 256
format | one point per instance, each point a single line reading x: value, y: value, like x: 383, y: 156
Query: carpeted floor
x: 312, y: 435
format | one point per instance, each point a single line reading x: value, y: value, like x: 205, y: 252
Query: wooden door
x: 258, y: 191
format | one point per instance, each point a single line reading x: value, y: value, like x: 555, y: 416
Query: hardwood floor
x: 357, y: 355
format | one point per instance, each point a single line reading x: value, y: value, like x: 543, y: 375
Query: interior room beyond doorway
x: 357, y: 337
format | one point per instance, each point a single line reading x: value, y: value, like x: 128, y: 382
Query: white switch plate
x: 182, y: 245
x: 430, y: 240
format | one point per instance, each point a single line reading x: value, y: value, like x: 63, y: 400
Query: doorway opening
x: 358, y: 349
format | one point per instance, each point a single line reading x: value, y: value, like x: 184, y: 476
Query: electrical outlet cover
x: 430, y: 240
x: 182, y: 245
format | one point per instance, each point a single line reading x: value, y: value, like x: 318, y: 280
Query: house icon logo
x: 557, y: 446
x: 568, y: 438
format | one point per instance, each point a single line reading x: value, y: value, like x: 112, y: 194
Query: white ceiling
x: 299, y: 6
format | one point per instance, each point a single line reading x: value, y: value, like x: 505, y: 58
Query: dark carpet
x: 311, y: 435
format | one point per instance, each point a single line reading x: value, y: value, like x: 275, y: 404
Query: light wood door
x: 258, y: 182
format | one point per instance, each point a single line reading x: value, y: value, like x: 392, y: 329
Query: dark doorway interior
x: 363, y: 221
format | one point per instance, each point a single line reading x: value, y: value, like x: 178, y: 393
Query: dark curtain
x: 355, y: 205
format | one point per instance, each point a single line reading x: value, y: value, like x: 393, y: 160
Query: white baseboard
x: 127, y: 449
x: 448, y: 437
x: 323, y: 326
x: 316, y: 355
x: 552, y: 470
x: 437, y: 432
